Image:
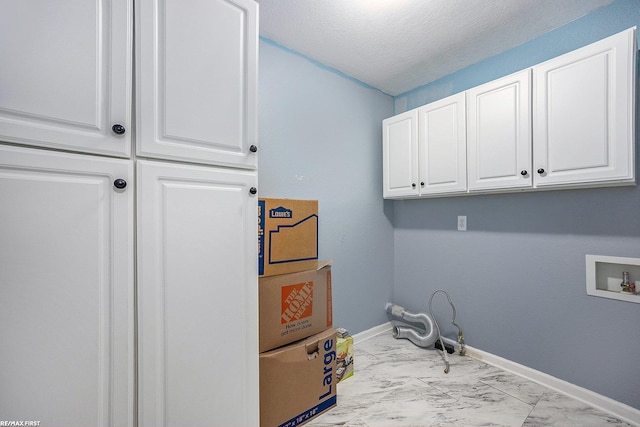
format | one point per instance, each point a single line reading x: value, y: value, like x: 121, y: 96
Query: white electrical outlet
x: 462, y: 223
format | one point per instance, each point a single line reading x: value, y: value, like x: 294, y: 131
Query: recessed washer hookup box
x: 298, y: 381
x: 294, y: 306
x: 287, y: 236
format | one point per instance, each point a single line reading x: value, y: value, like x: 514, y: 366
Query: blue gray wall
x: 320, y: 138
x: 517, y: 276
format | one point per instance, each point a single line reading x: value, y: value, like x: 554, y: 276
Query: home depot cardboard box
x: 294, y: 306
x: 287, y: 236
x: 298, y: 381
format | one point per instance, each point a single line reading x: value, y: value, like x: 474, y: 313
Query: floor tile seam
x: 464, y: 399
x: 456, y: 399
x: 440, y: 390
x: 533, y: 405
x: 533, y: 408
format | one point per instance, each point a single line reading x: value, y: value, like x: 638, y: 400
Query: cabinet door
x: 400, y: 155
x: 197, y: 296
x: 66, y: 294
x: 442, y: 146
x: 584, y: 114
x: 66, y: 74
x: 196, y: 81
x: 499, y: 133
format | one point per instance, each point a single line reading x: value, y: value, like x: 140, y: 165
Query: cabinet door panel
x: 442, y: 146
x: 66, y: 74
x: 584, y: 117
x: 66, y: 300
x: 499, y: 133
x: 197, y: 296
x: 197, y: 72
x: 400, y: 155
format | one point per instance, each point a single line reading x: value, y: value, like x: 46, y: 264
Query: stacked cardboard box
x: 294, y: 306
x: 287, y: 236
x: 297, y: 343
x: 297, y: 381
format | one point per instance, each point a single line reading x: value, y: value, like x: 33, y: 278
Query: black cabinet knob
x: 253, y: 190
x: 120, y: 183
x: 413, y: 185
x: 118, y: 129
x: 541, y: 171
x: 524, y: 173
x: 253, y: 148
x: 422, y: 184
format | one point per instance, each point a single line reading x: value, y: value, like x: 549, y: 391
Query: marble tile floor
x: 399, y: 384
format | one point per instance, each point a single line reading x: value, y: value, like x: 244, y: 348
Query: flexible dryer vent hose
x: 431, y: 329
x: 421, y: 339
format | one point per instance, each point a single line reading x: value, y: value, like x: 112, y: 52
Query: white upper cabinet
x: 424, y: 150
x: 584, y: 111
x: 67, y: 83
x: 499, y: 133
x: 196, y: 64
x: 400, y: 155
x: 66, y: 75
x: 442, y: 147
x: 566, y: 123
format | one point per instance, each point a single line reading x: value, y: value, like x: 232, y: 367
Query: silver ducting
x: 425, y: 336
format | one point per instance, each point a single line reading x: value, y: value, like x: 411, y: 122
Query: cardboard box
x: 294, y: 306
x: 287, y: 236
x: 298, y: 382
x: 344, y: 361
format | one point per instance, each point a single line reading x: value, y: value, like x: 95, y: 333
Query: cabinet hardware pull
x: 422, y: 184
x: 118, y: 129
x: 253, y: 190
x: 524, y: 173
x: 253, y: 148
x: 541, y: 171
x: 413, y: 185
x: 120, y: 183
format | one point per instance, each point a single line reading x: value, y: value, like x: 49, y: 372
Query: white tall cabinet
x: 66, y: 75
x: 129, y: 237
x: 196, y: 81
x: 198, y: 353
x: 66, y: 289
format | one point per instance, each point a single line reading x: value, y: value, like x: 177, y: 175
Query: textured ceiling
x: 398, y: 45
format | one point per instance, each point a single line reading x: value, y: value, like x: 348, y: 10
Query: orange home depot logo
x: 297, y: 302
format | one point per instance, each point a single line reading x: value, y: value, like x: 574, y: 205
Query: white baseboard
x: 370, y: 333
x: 617, y: 409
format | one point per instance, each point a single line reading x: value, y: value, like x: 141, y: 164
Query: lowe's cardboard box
x: 298, y: 381
x: 287, y: 236
x: 294, y: 306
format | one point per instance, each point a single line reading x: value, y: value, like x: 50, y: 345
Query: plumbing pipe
x: 421, y: 339
x: 453, y: 319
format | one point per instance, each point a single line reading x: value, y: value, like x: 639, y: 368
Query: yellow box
x: 287, y: 236
x: 344, y: 362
